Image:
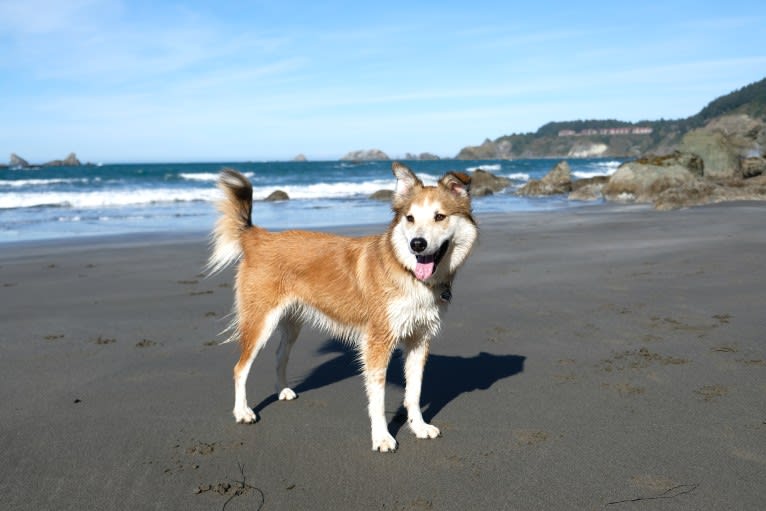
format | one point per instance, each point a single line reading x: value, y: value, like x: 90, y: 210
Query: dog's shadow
x: 445, y: 378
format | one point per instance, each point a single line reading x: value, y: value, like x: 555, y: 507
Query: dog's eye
x: 439, y: 217
x: 410, y: 218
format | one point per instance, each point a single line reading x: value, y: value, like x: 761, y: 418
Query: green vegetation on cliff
x: 750, y: 100
x: 587, y: 137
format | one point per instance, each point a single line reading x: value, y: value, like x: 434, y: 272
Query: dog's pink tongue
x: 424, y: 270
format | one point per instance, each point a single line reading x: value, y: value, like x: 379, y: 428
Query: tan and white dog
x: 375, y: 291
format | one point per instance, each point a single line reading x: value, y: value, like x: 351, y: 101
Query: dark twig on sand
x: 243, y: 487
x: 676, y: 491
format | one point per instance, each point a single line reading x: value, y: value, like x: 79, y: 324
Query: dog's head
x: 433, y: 229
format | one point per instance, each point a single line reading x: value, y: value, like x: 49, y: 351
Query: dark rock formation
x: 557, y: 181
x: 70, y: 161
x: 701, y: 192
x: 690, y: 161
x: 720, y: 160
x: 588, y: 189
x: 680, y: 180
x: 487, y: 183
x: 382, y: 195
x: 724, y: 142
x: 366, y: 155
x: 421, y: 156
x: 277, y: 195
x: 754, y: 166
x: 642, y: 182
x: 17, y: 161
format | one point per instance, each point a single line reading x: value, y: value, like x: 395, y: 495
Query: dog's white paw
x: 423, y: 430
x: 245, y: 415
x: 384, y: 443
x: 287, y: 394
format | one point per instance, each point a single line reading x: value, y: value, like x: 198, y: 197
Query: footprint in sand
x: 529, y: 436
x: 711, y: 392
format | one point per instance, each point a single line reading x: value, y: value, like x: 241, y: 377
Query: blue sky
x: 144, y: 81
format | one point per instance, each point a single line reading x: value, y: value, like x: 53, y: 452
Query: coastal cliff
x: 614, y: 138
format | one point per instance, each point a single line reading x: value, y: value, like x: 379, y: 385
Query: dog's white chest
x: 416, y: 313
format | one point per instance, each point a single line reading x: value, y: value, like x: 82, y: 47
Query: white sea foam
x: 327, y: 190
x: 142, y: 196
x: 207, y: 177
x: 104, y: 198
x: 601, y: 168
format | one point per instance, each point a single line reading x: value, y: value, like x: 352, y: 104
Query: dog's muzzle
x: 426, y: 264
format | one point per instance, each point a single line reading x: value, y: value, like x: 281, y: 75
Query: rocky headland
x: 723, y: 161
x: 615, y: 138
x: 17, y: 162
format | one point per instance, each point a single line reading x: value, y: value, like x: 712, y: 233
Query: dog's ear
x: 458, y: 183
x: 406, y: 180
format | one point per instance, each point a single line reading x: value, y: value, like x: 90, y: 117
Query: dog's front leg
x: 416, y: 353
x: 375, y: 365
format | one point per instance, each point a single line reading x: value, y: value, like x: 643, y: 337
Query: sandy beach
x: 608, y: 357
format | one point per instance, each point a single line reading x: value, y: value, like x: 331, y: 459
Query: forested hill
x: 611, y: 137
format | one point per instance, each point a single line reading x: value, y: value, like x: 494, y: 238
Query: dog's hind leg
x: 416, y: 353
x: 289, y: 329
x: 253, y: 337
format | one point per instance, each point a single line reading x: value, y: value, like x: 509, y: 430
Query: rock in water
x: 557, y: 181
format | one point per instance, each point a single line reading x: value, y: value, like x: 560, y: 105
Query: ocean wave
x: 489, y: 167
x: 207, y: 177
x: 341, y: 190
x: 104, y: 198
x: 135, y: 197
x: 20, y: 183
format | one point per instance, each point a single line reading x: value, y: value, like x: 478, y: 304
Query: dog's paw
x: 245, y: 415
x: 384, y: 443
x: 423, y: 430
x: 287, y: 394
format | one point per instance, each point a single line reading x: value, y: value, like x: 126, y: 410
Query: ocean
x: 70, y: 202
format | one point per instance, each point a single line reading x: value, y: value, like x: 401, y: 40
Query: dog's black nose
x: 418, y: 244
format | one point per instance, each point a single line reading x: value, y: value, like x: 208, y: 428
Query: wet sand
x: 594, y: 358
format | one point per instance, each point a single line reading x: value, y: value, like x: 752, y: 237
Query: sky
x: 195, y: 81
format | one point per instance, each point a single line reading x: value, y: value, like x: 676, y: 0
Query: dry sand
x: 595, y: 358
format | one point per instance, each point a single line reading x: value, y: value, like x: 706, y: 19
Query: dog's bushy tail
x: 236, y: 210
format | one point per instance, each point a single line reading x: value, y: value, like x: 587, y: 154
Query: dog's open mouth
x: 426, y: 264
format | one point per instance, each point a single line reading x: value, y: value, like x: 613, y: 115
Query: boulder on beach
x: 680, y: 180
x: 557, y: 181
x: 753, y: 166
x: 643, y: 182
x: 707, y: 191
x: 723, y: 144
x: 588, y: 189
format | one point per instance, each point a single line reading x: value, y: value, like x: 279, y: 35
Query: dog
x: 376, y: 292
